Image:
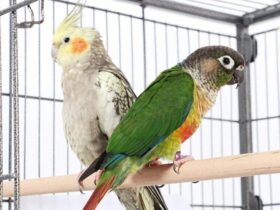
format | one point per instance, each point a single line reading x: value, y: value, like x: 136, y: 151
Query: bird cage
x: 143, y: 38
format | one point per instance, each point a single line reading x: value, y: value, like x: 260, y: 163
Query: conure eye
x: 227, y: 62
x: 66, y: 39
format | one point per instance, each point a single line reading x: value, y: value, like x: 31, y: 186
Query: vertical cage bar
x: 254, y: 69
x: 81, y: 24
x: 201, y: 132
x: 39, y: 93
x: 107, y: 29
x: 144, y: 44
x: 25, y: 93
x: 191, y: 144
x: 222, y: 133
x: 177, y: 44
x: 68, y: 148
x: 120, y: 41
x: 155, y: 46
x: 267, y: 111
x: 54, y: 95
x: 1, y: 134
x: 93, y: 18
x: 277, y: 69
x: 177, y: 59
x: 132, y: 51
x: 211, y: 139
x: 15, y: 100
x: 245, y: 126
x: 231, y: 132
x: 166, y: 45
x: 266, y: 90
x: 10, y: 108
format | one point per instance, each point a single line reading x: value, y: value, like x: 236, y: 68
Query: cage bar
x: 245, y: 126
x: 269, y: 12
x: 16, y: 6
x: 188, y: 9
x: 144, y: 44
x: 15, y: 105
x: 1, y: 126
x: 54, y: 99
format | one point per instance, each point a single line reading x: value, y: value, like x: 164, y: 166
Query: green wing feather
x: 157, y: 112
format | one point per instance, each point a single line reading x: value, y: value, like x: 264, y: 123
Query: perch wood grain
x: 233, y: 166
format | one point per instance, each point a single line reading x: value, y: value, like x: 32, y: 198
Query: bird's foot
x: 150, y: 164
x: 96, y: 178
x: 180, y: 160
x: 80, y: 183
x: 154, y: 162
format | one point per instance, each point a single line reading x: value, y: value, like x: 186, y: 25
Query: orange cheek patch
x: 79, y: 45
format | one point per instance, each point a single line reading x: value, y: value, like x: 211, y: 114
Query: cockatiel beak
x: 54, y: 52
x: 238, y: 76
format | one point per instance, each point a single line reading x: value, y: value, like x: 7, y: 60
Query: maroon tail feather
x: 98, y: 194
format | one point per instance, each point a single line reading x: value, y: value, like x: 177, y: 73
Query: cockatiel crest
x: 72, y: 44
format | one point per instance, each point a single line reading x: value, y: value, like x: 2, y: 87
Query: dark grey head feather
x: 213, y: 52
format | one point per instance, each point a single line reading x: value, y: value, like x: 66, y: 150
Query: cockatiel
x: 166, y: 114
x: 96, y: 96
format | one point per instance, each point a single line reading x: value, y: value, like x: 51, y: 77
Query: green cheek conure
x: 166, y: 114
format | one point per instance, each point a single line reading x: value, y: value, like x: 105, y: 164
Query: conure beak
x: 238, y: 76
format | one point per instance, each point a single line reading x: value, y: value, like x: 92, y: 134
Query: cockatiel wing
x: 129, y: 92
x: 115, y: 96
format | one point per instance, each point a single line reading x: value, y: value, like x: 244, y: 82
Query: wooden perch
x: 216, y: 168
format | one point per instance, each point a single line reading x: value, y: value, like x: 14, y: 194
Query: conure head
x: 222, y: 65
x: 75, y: 46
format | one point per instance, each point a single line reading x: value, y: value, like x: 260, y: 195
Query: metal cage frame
x: 245, y: 45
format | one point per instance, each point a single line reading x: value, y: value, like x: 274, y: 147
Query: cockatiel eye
x: 226, y: 62
x: 66, y: 39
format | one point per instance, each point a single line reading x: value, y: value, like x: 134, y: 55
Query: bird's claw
x: 180, y: 160
x: 160, y: 186
x: 176, y: 168
x: 154, y: 162
x: 81, y: 188
x: 97, y: 176
x: 80, y: 183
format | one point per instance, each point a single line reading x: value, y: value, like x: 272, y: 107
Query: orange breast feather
x: 193, y: 120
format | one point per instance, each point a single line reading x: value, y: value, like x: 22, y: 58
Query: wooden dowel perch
x: 197, y: 170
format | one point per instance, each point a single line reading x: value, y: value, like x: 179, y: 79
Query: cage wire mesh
x: 238, y: 7
x: 142, y: 42
x: 12, y: 143
x: 265, y: 110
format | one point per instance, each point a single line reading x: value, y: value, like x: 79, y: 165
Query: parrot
x: 167, y: 113
x: 96, y: 97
